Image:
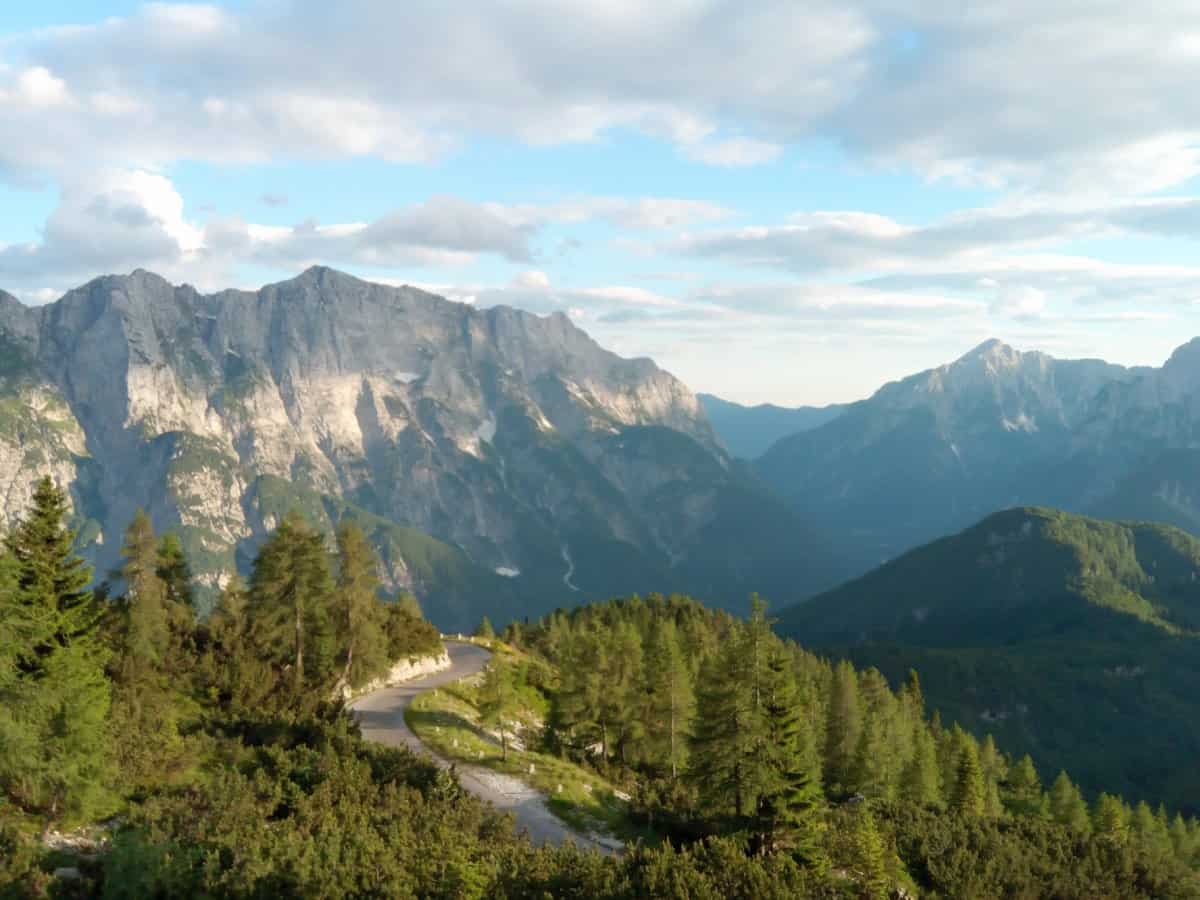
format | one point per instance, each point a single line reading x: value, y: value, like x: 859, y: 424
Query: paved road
x: 381, y: 715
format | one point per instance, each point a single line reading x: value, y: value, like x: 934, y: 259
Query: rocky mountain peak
x: 1182, y: 370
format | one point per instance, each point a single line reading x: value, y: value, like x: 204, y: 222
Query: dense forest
x: 218, y: 760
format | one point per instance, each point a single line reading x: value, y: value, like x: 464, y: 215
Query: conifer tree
x: 869, y: 855
x: 791, y: 802
x: 620, y: 724
x: 968, y: 797
x: 670, y: 700
x: 722, y: 733
x: 408, y: 602
x: 53, y: 745
x: 290, y: 587
x: 919, y: 778
x: 1024, y: 789
x: 143, y: 608
x: 498, y: 700
x: 1067, y: 806
x: 485, y: 630
x: 176, y: 574
x: 1110, y: 818
x: 358, y: 614
x: 842, y: 728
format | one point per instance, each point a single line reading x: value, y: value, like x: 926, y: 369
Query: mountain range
x: 749, y: 431
x: 928, y: 455
x: 502, y: 461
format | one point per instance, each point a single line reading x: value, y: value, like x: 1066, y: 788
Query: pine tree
x: 143, y: 608
x: 722, y: 732
x: 919, y: 778
x: 1024, y: 789
x: 995, y: 770
x: 290, y: 588
x: 358, y: 614
x: 869, y: 855
x: 1067, y: 806
x: 968, y: 797
x: 485, y: 631
x: 55, y: 696
x: 620, y: 722
x: 842, y: 728
x: 670, y: 700
x: 576, y: 708
x: 791, y: 803
x: 498, y: 700
x: 1110, y: 818
x: 408, y: 602
x: 176, y: 573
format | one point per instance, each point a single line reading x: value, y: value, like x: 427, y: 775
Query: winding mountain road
x: 381, y: 717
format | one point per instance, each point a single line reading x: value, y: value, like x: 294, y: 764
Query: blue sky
x: 776, y: 201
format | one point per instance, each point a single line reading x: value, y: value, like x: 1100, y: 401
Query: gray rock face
x: 932, y: 453
x: 495, y: 431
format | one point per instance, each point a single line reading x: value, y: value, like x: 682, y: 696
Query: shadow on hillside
x: 421, y: 720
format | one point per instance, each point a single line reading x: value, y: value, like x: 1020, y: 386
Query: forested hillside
x: 214, y: 758
x: 716, y: 727
x: 1074, y: 639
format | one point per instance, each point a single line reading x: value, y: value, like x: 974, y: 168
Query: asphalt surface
x: 381, y: 716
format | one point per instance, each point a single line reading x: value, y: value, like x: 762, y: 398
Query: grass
x: 446, y: 720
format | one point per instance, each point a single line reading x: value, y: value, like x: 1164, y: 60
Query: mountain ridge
x: 496, y: 431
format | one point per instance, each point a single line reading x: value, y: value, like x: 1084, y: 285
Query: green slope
x: 1071, y: 638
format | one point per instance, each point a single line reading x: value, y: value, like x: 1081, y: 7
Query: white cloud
x: 734, y: 152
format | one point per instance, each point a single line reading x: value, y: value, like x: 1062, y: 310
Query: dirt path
x: 381, y: 715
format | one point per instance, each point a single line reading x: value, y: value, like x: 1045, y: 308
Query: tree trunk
x: 299, y: 677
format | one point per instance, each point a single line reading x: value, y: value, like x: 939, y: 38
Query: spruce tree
x: 1110, y: 818
x: 670, y: 700
x: 290, y: 588
x: 176, y: 574
x: 498, y: 701
x: 1067, y: 806
x: 968, y: 797
x: 143, y: 608
x: 485, y: 631
x: 723, y: 732
x: 843, y: 725
x: 791, y: 803
x: 358, y: 614
x: 919, y: 778
x: 869, y: 855
x: 1023, y: 794
x: 53, y: 742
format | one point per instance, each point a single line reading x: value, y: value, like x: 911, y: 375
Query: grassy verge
x: 446, y: 720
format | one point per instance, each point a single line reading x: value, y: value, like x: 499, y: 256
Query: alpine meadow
x: 696, y: 450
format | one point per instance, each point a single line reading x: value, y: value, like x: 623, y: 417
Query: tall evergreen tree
x: 176, y: 573
x: 143, y: 608
x: 843, y: 725
x: 670, y: 700
x: 498, y: 700
x: 290, y: 588
x: 723, y: 732
x: 1110, y: 818
x: 968, y: 797
x: 358, y: 614
x: 1024, y: 789
x: 1067, y: 806
x: 919, y: 778
x: 791, y: 803
x: 53, y: 747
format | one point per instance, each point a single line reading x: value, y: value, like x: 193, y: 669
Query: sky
x: 776, y: 201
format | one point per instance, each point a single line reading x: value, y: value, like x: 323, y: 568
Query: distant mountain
x: 504, y: 461
x: 749, y: 430
x: 929, y: 454
x: 1075, y: 639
